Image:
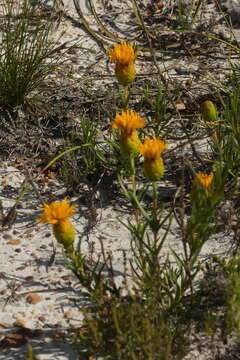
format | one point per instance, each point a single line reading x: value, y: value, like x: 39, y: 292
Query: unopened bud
x: 208, y: 111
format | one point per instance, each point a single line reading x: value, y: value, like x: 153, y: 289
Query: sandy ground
x: 33, y: 295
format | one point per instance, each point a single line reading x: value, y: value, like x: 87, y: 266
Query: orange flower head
x: 56, y: 211
x: 128, y: 121
x: 123, y: 53
x: 151, y: 150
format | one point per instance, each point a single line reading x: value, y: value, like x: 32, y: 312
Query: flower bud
x: 208, y: 111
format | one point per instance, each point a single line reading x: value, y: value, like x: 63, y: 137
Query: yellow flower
x: 208, y: 111
x: 151, y: 150
x: 57, y: 214
x: 56, y: 211
x: 124, y: 56
x: 127, y: 123
x: 123, y: 53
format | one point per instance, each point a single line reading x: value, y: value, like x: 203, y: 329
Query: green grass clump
x: 27, y: 54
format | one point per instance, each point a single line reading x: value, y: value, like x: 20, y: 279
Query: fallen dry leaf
x: 180, y: 106
x: 14, y: 242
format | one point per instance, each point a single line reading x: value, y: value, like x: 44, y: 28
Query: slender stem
x: 125, y: 96
x: 73, y: 256
x: 134, y: 187
x: 155, y: 198
x: 133, y: 170
x: 154, y: 209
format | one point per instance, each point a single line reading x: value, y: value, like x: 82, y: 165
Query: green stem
x: 59, y: 157
x: 155, y: 198
x: 154, y: 208
x: 132, y: 165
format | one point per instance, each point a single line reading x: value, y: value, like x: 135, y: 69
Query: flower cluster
x: 127, y: 123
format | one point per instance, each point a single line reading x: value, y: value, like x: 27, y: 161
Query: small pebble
x: 33, y: 298
x: 42, y: 318
x: 7, y: 236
